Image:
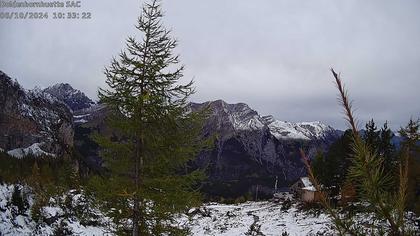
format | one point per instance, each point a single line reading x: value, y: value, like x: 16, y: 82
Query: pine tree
x: 371, y: 182
x: 154, y: 136
x: 411, y: 134
x: 18, y: 199
x: 318, y: 166
x: 331, y: 169
x: 36, y: 182
x: 379, y: 142
x: 371, y: 136
x: 386, y: 149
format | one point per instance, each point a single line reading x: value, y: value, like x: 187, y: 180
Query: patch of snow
x: 80, y: 121
x: 312, y: 188
x: 307, y: 184
x: 34, y: 149
x: 306, y: 181
x: 81, y: 116
x: 50, y: 211
x: 286, y: 130
x: 11, y: 222
x: 242, y: 117
x: 302, y: 130
x: 190, y: 211
x: 14, y: 223
x: 283, y: 195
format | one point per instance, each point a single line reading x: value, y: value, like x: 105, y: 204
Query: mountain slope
x: 33, y: 122
x: 251, y: 150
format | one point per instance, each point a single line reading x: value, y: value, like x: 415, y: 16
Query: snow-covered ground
x: 256, y: 218
x: 13, y: 222
x: 250, y: 218
x: 211, y: 219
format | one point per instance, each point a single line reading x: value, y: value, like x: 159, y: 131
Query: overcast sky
x: 274, y: 55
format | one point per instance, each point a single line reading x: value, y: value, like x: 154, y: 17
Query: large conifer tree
x: 154, y: 136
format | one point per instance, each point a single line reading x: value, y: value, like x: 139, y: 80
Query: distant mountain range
x: 250, y: 152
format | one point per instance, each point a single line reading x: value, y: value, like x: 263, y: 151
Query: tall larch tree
x: 154, y: 135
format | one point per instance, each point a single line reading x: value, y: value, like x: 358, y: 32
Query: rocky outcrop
x: 32, y: 118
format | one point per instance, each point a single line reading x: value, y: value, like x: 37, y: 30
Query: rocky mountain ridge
x: 242, y: 117
x: 33, y: 122
x: 74, y: 98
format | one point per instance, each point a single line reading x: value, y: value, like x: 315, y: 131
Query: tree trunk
x: 139, y: 147
x: 136, y: 218
x: 136, y: 208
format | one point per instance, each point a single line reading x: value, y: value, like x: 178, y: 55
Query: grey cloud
x: 273, y: 55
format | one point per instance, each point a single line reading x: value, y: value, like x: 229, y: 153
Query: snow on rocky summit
x: 74, y: 98
x: 241, y: 117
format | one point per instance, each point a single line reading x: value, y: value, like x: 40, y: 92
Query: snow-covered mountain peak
x: 300, y: 130
x: 269, y: 119
x: 74, y: 98
x: 241, y: 117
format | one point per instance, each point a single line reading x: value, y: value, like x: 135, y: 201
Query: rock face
x: 33, y: 121
x: 74, y: 98
x: 252, y: 151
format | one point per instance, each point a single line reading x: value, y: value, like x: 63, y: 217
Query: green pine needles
x: 375, y: 185
x: 154, y: 135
